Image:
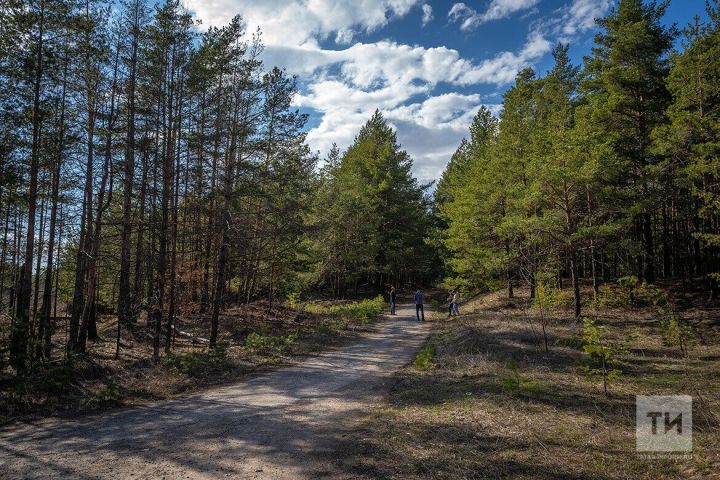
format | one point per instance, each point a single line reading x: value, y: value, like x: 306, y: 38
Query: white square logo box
x: 663, y: 423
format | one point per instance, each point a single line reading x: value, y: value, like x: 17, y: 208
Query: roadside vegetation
x: 491, y: 402
x: 252, y: 339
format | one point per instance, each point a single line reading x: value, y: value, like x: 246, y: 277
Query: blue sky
x: 427, y: 65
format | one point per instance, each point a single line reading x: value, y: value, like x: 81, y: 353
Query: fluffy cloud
x: 427, y: 16
x: 469, y: 18
x: 344, y: 86
x: 348, y: 85
x: 581, y: 14
x: 400, y: 80
x: 366, y: 65
x: 296, y: 22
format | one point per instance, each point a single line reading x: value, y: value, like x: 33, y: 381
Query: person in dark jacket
x: 393, y: 298
x: 419, y: 298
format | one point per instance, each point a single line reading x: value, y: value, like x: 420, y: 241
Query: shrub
x: 601, y: 354
x: 570, y: 342
x: 628, y: 284
x: 110, y: 395
x: 646, y: 294
x: 436, y: 305
x: 675, y: 334
x: 293, y: 300
x: 512, y: 381
x: 330, y: 325
x: 195, y: 364
x: 629, y: 292
x: 361, y: 312
x: 269, y: 344
x: 548, y: 299
x: 424, y: 358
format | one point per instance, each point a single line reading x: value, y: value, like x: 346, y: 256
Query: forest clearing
x: 209, y: 212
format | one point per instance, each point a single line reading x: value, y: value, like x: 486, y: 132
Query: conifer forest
x: 166, y: 226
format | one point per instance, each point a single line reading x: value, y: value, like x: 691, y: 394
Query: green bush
x: 437, y: 306
x: 513, y: 383
x: 195, y: 364
x: 360, y: 312
x: 601, y: 354
x: 629, y: 291
x: 628, y: 282
x: 675, y: 334
x: 293, y: 300
x: 570, y: 342
x: 269, y: 344
x: 110, y: 395
x: 330, y: 325
x: 646, y: 294
x: 424, y: 358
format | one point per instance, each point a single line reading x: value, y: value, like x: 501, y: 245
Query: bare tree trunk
x: 88, y: 326
x: 36, y: 291
x: 574, y: 279
x: 167, y: 171
x: 510, y: 291
x: 174, y: 233
x: 21, y: 325
x: 45, y: 327
x: 125, y: 314
x: 139, y: 245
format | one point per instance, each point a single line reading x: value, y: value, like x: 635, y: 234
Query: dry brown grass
x: 456, y: 420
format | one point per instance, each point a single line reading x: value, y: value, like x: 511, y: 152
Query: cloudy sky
x: 427, y: 65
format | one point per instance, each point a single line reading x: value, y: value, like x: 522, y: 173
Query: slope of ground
x: 477, y: 414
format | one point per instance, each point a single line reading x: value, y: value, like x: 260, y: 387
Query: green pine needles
x: 601, y: 355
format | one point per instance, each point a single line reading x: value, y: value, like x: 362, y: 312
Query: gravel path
x: 281, y: 425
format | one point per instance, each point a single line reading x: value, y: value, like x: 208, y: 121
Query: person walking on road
x: 393, y: 297
x: 454, y: 303
x: 419, y: 297
x: 450, y: 303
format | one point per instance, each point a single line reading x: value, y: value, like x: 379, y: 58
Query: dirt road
x: 281, y: 425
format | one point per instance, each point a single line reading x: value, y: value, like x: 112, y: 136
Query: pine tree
x: 691, y: 139
x: 625, y: 86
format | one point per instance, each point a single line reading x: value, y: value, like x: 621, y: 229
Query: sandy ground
x: 285, y: 424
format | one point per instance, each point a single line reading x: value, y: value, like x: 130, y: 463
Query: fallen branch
x: 192, y: 337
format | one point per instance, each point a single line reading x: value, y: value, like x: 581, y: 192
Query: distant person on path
x: 454, y: 303
x: 450, y: 304
x: 393, y: 297
x: 419, y: 297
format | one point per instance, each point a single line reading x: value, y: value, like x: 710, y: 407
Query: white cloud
x: 470, y: 18
x: 296, y: 22
x: 345, y: 85
x: 344, y: 36
x: 369, y: 65
x: 399, y: 80
x: 503, y: 67
x: 581, y: 14
x: 427, y: 16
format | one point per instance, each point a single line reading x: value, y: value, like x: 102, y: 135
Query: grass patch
x: 273, y: 345
x: 424, y: 358
x: 493, y: 404
x: 196, y: 363
x: 363, y: 311
x: 109, y: 395
x: 576, y: 343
